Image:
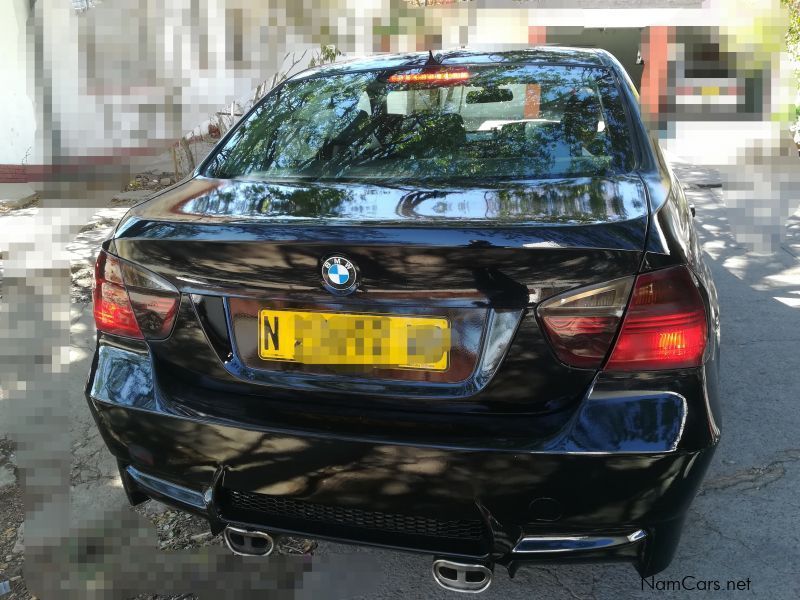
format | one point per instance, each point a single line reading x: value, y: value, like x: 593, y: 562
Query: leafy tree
x: 793, y: 43
x: 793, y: 33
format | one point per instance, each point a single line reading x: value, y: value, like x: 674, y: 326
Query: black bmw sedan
x: 448, y: 304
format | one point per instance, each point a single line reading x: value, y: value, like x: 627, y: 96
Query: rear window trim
x: 635, y: 126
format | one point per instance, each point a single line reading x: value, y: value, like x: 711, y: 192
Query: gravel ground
x: 178, y: 530
x: 11, y: 517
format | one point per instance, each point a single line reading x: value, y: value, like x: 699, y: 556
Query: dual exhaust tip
x: 462, y: 577
x: 451, y: 575
x: 245, y: 542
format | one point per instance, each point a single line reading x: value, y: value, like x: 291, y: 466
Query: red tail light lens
x: 131, y: 301
x: 665, y: 325
x: 113, y: 312
x: 581, y: 324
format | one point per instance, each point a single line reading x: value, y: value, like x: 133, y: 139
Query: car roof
x: 535, y: 55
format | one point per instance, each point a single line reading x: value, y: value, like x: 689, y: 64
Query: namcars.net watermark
x: 690, y: 583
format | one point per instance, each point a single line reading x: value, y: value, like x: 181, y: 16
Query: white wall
x: 131, y: 74
x: 16, y: 108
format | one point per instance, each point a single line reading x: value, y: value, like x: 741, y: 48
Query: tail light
x: 131, y: 301
x: 665, y: 326
x: 113, y: 312
x: 582, y: 323
x: 431, y: 77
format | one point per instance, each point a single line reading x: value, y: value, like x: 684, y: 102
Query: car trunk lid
x: 481, y: 257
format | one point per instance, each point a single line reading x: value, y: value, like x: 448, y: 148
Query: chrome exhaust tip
x: 462, y: 577
x: 245, y: 542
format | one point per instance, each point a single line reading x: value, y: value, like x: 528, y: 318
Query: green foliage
x: 793, y: 34
x: 325, y: 55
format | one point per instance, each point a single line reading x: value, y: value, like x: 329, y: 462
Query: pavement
x: 742, y: 527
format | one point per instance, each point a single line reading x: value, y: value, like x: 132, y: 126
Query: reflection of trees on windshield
x: 359, y: 126
x: 290, y: 126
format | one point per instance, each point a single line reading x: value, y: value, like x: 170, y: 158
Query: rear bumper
x: 589, y: 494
x: 528, y: 547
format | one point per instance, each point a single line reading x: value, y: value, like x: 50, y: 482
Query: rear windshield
x: 513, y: 122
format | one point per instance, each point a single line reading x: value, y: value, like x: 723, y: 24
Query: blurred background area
x: 98, y: 91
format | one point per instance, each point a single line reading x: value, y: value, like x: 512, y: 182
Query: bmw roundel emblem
x: 339, y: 275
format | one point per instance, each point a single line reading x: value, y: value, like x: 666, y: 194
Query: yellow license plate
x: 321, y: 338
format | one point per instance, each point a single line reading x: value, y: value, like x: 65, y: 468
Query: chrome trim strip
x: 544, y: 544
x: 165, y: 488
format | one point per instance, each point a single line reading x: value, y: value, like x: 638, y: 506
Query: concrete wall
x: 17, y: 117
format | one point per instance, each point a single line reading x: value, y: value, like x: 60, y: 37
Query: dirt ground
x: 11, y: 518
x: 176, y: 531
